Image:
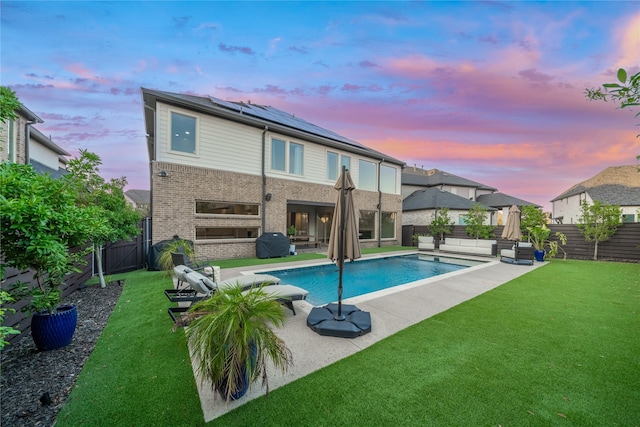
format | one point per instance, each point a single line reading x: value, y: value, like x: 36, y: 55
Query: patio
x: 391, y: 310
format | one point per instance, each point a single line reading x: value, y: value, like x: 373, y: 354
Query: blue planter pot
x: 539, y: 255
x: 243, y: 387
x: 52, y: 331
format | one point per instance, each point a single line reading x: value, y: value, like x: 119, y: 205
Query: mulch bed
x: 35, y: 385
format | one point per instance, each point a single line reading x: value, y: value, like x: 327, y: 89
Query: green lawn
x: 558, y: 346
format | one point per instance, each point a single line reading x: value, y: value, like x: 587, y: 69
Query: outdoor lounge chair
x: 180, y: 259
x: 202, y: 287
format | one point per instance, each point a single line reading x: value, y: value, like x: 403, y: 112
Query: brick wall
x: 173, y: 203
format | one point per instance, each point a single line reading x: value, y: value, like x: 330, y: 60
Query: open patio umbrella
x: 335, y: 319
x: 511, y: 229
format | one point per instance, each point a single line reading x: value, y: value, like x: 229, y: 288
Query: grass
x: 558, y: 346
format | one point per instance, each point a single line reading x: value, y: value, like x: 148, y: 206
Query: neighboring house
x: 40, y: 151
x: 426, y: 191
x: 140, y: 200
x: 616, y: 185
x: 223, y: 173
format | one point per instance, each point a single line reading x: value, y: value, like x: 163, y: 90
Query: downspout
x: 27, y: 141
x: 264, y: 179
x: 379, y: 206
x: 151, y: 163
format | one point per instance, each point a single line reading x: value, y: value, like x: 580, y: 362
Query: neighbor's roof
x: 616, y: 185
x: 501, y: 200
x: 258, y: 116
x: 139, y: 197
x: 432, y: 198
x: 41, y: 168
x: 435, y: 177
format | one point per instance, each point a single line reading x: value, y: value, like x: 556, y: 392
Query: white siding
x: 44, y: 155
x: 230, y: 146
x: 220, y: 144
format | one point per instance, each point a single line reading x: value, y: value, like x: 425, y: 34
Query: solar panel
x: 274, y: 115
x: 225, y: 104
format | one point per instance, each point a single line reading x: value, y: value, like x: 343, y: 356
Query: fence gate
x: 126, y: 255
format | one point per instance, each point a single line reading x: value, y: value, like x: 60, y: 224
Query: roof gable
x: 434, y: 198
x: 501, y: 200
x: 616, y: 185
x: 435, y: 177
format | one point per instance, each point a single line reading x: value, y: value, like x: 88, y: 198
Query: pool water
x: 366, y: 276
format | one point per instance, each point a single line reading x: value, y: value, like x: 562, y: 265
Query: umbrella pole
x: 341, y: 245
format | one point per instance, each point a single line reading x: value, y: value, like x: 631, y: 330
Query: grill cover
x: 272, y: 245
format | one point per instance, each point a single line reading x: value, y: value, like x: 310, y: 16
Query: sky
x: 490, y: 91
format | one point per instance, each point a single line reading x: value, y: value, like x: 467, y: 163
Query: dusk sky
x: 490, y: 91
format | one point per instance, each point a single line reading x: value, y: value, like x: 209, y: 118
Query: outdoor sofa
x: 470, y: 246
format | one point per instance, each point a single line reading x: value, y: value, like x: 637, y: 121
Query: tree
x: 8, y: 104
x: 626, y: 92
x: 442, y: 223
x: 40, y: 223
x: 475, y: 221
x: 108, y: 198
x: 599, y: 222
x: 530, y: 217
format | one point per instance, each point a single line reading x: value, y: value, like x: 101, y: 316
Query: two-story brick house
x: 222, y: 173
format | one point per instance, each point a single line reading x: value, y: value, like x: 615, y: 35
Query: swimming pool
x: 368, y: 275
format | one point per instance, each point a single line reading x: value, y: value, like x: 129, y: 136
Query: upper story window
x: 332, y: 166
x: 367, y: 179
x: 346, y: 162
x: 183, y: 133
x: 279, y: 154
x: 296, y: 158
x: 387, y: 179
x: 333, y: 169
x: 226, y: 208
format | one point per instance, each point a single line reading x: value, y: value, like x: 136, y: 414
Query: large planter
x: 243, y: 387
x: 52, y: 331
x: 539, y: 254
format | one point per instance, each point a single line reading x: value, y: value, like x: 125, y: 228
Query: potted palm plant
x: 232, y: 339
x: 544, y: 247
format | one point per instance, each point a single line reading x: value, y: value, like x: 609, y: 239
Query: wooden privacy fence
x: 117, y: 257
x: 623, y: 246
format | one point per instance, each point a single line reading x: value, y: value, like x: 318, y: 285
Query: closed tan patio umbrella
x: 511, y: 229
x: 343, y: 244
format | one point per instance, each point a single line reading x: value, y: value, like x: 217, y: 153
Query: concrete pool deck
x: 391, y: 311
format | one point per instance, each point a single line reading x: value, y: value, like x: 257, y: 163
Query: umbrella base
x: 353, y: 322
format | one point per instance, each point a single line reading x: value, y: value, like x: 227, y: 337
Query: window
x: 387, y: 179
x: 278, y: 154
x: 11, y: 136
x: 346, y: 162
x: 205, y: 233
x: 628, y: 218
x: 226, y: 208
x: 367, y: 225
x: 332, y: 166
x: 462, y: 219
x: 296, y: 152
x: 183, y: 133
x: 279, y: 157
x: 388, y: 225
x: 367, y: 179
